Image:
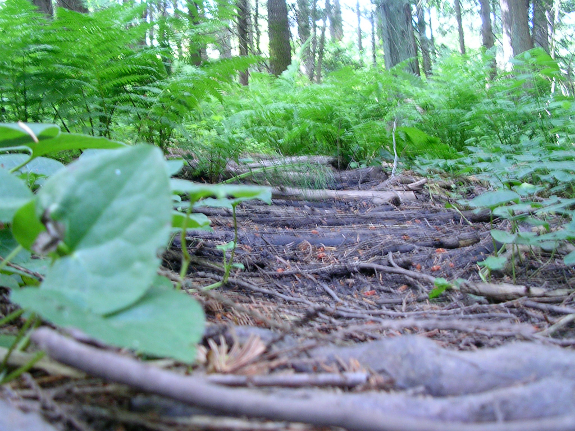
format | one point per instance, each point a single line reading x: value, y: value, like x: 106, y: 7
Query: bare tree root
x: 361, y: 412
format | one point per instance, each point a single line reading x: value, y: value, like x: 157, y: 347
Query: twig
x: 323, y: 410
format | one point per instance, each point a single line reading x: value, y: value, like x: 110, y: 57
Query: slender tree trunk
x: 359, y: 39
x: 373, y: 39
x: 163, y: 38
x: 337, y: 21
x: 486, y: 28
x: 313, y: 53
x: 257, y: 26
x: 459, y: 18
x: 423, y: 40
x: 432, y: 49
x: 279, y: 36
x: 321, y: 50
x: 541, y: 12
x: 487, y: 37
x: 304, y: 33
x: 44, y: 6
x: 516, y: 36
x: 75, y: 5
x: 243, y: 7
x: 329, y: 14
x: 398, y: 36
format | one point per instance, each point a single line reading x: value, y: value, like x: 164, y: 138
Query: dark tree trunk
x: 304, y: 33
x: 337, y: 21
x: 257, y: 26
x: 75, y: 5
x: 243, y: 34
x: 44, y: 6
x: 423, y: 40
x: 321, y: 50
x: 459, y: 18
x: 516, y: 36
x: 373, y: 39
x: 359, y: 39
x: 486, y: 28
x: 541, y: 12
x: 398, y: 36
x: 194, y: 16
x: 279, y: 36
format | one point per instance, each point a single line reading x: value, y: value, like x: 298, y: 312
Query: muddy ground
x: 323, y: 280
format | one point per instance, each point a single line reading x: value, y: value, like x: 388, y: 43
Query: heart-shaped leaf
x: 13, y: 194
x: 115, y: 212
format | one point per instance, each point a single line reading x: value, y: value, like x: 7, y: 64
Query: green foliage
x: 100, y: 222
x: 94, y: 74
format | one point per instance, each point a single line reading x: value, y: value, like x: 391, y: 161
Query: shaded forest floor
x: 326, y: 285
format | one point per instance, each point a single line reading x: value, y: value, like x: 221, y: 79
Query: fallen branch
x: 350, y: 411
x: 378, y: 197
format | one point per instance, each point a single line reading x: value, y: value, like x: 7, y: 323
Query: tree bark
x: 373, y: 39
x: 359, y: 38
x: 321, y: 50
x: 279, y: 36
x: 541, y: 12
x: 243, y: 7
x: 44, y: 6
x: 516, y: 35
x: 304, y: 33
x: 75, y: 5
x: 257, y: 26
x: 194, y: 14
x: 486, y: 27
x: 459, y: 18
x: 398, y: 36
x: 423, y: 40
x: 337, y: 21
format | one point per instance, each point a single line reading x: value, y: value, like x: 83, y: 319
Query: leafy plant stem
x: 13, y: 253
x: 186, y: 258
x: 21, y: 333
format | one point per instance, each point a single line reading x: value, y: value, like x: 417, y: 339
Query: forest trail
x: 332, y: 307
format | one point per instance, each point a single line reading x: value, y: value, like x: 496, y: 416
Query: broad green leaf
x: 12, y: 134
x: 115, y: 208
x: 503, y: 237
x: 174, y: 166
x: 8, y: 281
x: 8, y: 243
x: 194, y: 221
x: 26, y: 225
x: 39, y: 166
x: 164, y: 323
x: 13, y: 194
x: 494, y: 199
x: 494, y: 263
x: 69, y: 141
x: 441, y: 285
x: 220, y: 191
x: 526, y: 189
x: 569, y: 259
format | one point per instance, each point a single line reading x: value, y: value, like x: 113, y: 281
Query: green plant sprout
x: 99, y: 223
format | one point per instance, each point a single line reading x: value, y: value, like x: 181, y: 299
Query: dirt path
x: 329, y: 291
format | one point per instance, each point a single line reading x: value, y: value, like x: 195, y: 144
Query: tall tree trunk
x: 257, y: 27
x: 243, y: 34
x: 194, y: 17
x: 486, y: 28
x: 304, y: 33
x: 75, y: 5
x: 329, y: 14
x: 487, y: 37
x: 373, y: 39
x: 516, y: 36
x: 432, y: 49
x: 423, y: 40
x: 321, y: 50
x: 459, y: 18
x: 279, y: 36
x: 313, y: 53
x: 337, y: 21
x: 359, y: 41
x: 44, y: 6
x: 398, y: 36
x: 541, y: 12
